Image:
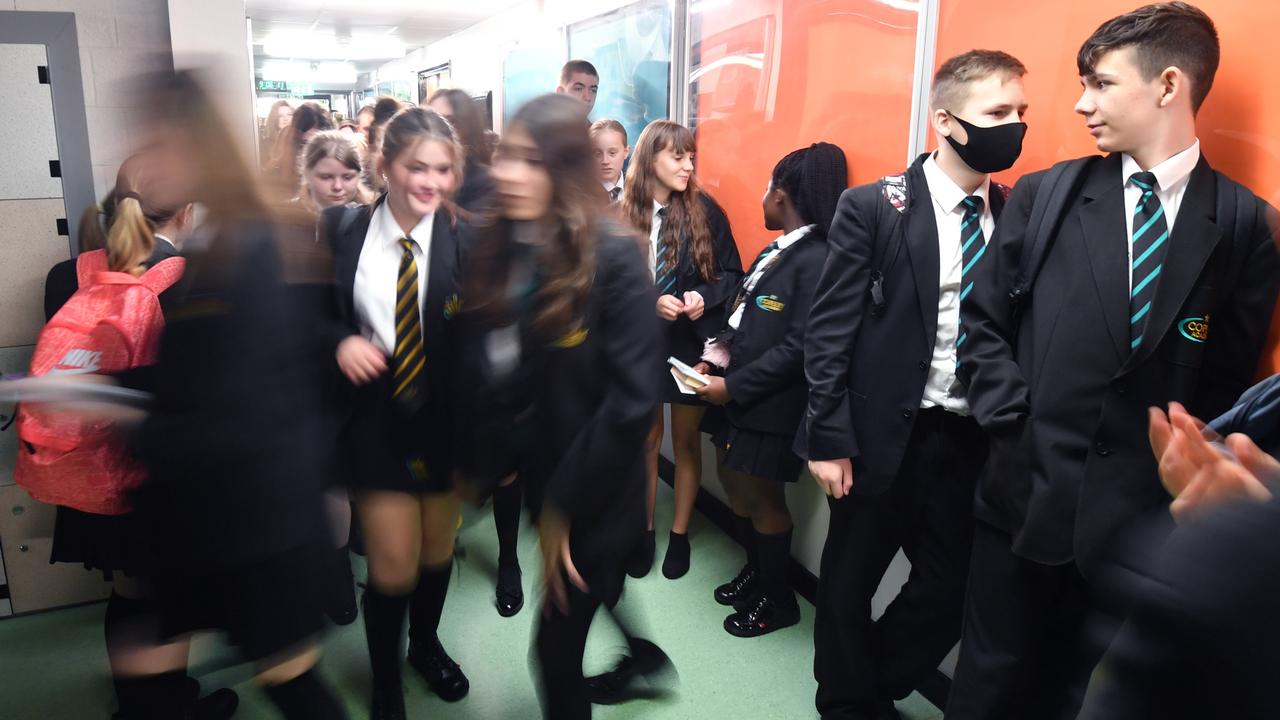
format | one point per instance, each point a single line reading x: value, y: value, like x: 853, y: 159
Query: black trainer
x: 443, y: 675
x: 763, y: 617
x: 645, y: 674
x: 740, y: 589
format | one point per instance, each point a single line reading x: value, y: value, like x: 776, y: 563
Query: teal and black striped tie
x: 1150, y: 244
x: 664, y: 273
x: 973, y: 245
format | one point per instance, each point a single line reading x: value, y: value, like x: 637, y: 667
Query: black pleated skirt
x: 110, y: 543
x: 759, y: 454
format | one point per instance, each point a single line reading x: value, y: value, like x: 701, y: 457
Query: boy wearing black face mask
x: 887, y: 430
x: 1156, y: 281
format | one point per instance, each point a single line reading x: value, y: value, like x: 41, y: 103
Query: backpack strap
x: 1052, y: 197
x: 88, y: 265
x: 164, y: 274
x: 894, y: 190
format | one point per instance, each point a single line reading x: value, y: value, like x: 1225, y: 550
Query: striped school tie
x: 614, y: 192
x: 663, y: 277
x: 409, y: 358
x: 1150, y: 244
x: 973, y: 245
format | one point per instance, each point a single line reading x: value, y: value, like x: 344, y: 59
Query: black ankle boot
x: 443, y: 675
x: 766, y: 614
x: 676, y: 563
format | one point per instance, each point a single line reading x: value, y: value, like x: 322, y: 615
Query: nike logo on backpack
x: 76, y: 362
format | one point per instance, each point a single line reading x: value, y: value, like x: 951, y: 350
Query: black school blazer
x: 449, y: 240
x: 765, y: 376
x: 728, y: 267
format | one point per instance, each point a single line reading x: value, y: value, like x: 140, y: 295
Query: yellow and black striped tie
x: 410, y: 357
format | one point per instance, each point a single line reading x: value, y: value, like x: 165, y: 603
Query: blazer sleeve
x: 783, y: 363
x: 838, y: 307
x: 997, y: 391
x: 339, y: 323
x: 1238, y: 329
x: 728, y: 262
x: 631, y: 361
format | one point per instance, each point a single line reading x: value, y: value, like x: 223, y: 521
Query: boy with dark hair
x: 1138, y: 279
x: 578, y: 78
x: 887, y: 431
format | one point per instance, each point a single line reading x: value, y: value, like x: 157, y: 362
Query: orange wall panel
x: 771, y: 76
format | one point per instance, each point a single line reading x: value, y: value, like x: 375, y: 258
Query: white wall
x: 213, y: 36
x: 119, y: 40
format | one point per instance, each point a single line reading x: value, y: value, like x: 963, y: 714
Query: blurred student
x: 558, y: 321
x: 276, y: 124
x: 381, y: 113
x: 1156, y: 283
x: 396, y: 264
x: 609, y: 139
x: 233, y: 504
x: 695, y: 267
x: 284, y: 175
x: 475, y: 196
x: 759, y: 384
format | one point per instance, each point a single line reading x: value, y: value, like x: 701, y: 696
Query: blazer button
x: 1121, y: 388
x: 1102, y: 450
x: 924, y: 365
x: 906, y: 414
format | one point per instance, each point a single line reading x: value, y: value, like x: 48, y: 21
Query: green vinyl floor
x: 53, y: 665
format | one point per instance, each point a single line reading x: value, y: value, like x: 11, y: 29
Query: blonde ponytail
x: 132, y: 237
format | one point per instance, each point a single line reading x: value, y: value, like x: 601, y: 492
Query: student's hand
x: 669, y: 307
x: 694, y: 305
x: 1199, y: 475
x: 835, y: 477
x: 714, y: 392
x: 702, y: 368
x: 360, y: 361
x: 553, y: 540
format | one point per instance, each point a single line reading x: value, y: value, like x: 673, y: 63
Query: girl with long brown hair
x: 283, y: 175
x: 695, y: 266
x: 277, y: 122
x: 559, y: 350
x: 397, y: 262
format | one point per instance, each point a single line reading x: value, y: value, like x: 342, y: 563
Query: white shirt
x: 784, y: 242
x: 948, y: 211
x: 379, y: 268
x: 654, y: 231
x: 172, y: 244
x: 608, y: 187
x: 1172, y: 177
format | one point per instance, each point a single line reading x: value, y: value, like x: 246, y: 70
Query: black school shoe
x: 641, y: 561
x: 739, y: 591
x: 509, y: 596
x: 765, y: 615
x: 443, y: 675
x: 645, y: 674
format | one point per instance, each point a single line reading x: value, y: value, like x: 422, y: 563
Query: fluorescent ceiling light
x: 308, y: 72
x: 311, y: 46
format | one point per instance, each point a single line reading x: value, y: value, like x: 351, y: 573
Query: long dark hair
x: 467, y: 123
x: 567, y: 259
x: 309, y: 116
x: 686, y: 217
x: 813, y: 177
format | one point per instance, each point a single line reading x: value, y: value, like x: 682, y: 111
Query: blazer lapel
x: 440, y: 277
x: 1102, y: 224
x: 1192, y: 242
x: 921, y: 240
x: 346, y: 257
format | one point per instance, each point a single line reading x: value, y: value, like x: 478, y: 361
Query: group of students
x: 934, y: 345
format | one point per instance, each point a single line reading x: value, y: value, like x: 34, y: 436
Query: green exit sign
x: 273, y: 86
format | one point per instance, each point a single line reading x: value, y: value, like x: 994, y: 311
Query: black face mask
x: 990, y: 149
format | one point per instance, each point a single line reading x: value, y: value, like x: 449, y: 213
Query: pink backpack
x: 112, y: 323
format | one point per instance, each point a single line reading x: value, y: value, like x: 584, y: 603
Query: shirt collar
x: 794, y: 236
x: 172, y: 243
x: 610, y: 186
x: 946, y: 193
x: 388, y: 230
x: 1170, y: 173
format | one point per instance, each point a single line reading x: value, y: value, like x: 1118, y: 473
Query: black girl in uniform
x: 396, y: 264
x: 756, y: 364
x: 695, y: 268
x: 559, y: 324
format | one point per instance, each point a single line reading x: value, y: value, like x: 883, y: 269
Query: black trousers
x: 861, y: 665
x: 560, y: 642
x: 1031, y: 636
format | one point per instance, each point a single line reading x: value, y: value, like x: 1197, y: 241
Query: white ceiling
x: 396, y: 26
